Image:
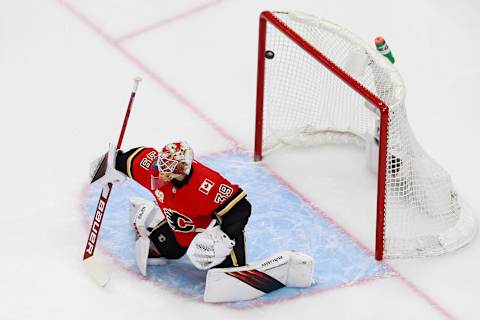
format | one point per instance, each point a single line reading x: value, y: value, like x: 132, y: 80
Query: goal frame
x: 383, y: 109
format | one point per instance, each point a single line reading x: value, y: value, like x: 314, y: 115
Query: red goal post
x: 316, y: 54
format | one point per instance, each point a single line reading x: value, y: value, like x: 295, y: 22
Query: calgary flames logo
x: 178, y: 221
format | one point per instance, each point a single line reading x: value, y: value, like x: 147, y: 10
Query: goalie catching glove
x: 103, y: 171
x: 210, y: 247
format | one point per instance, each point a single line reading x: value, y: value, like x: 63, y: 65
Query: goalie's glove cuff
x: 210, y: 247
x: 103, y: 171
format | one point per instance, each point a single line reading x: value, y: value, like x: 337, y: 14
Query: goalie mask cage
x: 318, y: 82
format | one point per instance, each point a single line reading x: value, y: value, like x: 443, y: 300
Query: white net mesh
x: 306, y: 103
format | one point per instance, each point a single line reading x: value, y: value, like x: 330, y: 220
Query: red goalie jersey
x: 188, y: 204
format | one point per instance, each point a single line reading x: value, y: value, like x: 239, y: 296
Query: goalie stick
x: 94, y: 266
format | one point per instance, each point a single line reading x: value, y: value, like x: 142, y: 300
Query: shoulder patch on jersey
x: 206, y: 186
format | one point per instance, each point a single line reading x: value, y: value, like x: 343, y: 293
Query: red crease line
x: 167, y: 21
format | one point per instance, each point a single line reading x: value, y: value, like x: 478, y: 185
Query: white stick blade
x: 97, y: 270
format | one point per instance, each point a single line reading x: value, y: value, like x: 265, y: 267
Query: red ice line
x: 319, y: 211
x: 187, y: 103
x: 169, y: 20
x: 161, y: 82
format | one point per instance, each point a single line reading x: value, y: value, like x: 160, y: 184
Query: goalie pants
x: 232, y: 223
x: 164, y: 241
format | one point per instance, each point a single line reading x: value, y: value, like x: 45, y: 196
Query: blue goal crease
x: 280, y: 221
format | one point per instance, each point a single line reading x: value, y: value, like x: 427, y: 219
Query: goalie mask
x: 174, y: 160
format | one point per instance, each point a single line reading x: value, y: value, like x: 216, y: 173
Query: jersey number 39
x: 224, y: 192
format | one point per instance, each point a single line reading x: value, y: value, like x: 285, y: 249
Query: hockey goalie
x: 199, y: 213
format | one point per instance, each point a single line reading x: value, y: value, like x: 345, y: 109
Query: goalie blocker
x: 285, y: 269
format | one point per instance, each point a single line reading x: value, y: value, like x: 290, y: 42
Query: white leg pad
x: 300, y: 270
x: 290, y: 269
x: 145, y: 215
x: 142, y: 248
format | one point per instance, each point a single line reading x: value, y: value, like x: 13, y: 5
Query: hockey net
x: 319, y: 83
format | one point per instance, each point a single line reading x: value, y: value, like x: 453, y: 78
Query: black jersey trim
x: 130, y: 161
x: 227, y: 206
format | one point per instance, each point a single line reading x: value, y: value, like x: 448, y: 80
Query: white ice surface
x: 64, y: 89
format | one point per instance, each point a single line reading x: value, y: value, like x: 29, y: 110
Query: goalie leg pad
x: 285, y: 269
x: 145, y: 216
x: 142, y: 247
x: 143, y: 258
x: 300, y: 270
